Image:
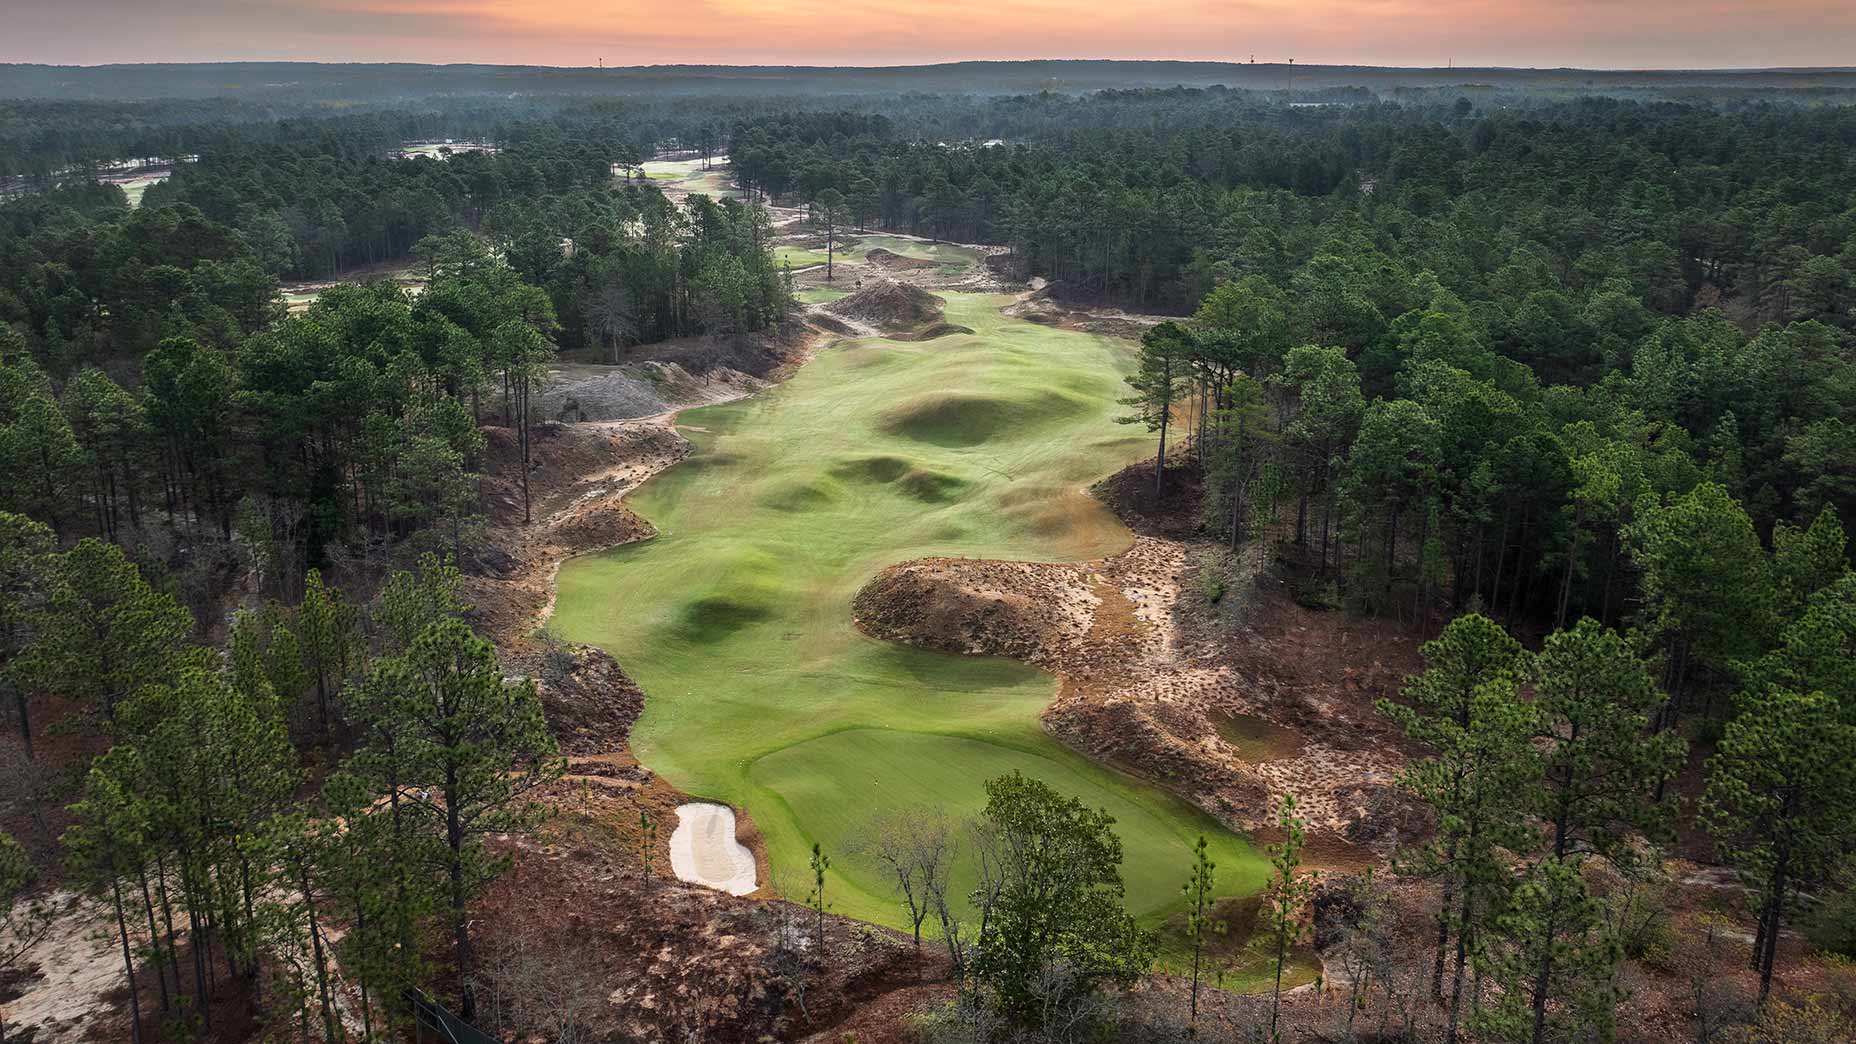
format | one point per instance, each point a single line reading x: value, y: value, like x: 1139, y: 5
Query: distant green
x: 954, y: 259
x: 736, y: 618
x: 818, y: 294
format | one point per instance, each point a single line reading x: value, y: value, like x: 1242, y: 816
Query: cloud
x: 1602, y: 33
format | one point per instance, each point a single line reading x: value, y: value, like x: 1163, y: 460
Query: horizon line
x: 163, y: 63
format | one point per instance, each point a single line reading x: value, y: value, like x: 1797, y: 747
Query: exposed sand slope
x: 1141, y: 691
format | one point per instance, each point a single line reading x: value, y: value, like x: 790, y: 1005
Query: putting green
x: 736, y: 618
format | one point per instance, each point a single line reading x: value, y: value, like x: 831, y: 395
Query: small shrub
x: 1711, y: 731
x: 1212, y: 576
x: 1832, y: 928
x: 557, y: 660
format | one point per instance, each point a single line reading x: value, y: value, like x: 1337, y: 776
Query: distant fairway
x: 736, y: 620
x: 857, y: 245
x: 818, y: 294
x: 690, y: 176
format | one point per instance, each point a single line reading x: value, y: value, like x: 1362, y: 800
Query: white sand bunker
x: 703, y: 849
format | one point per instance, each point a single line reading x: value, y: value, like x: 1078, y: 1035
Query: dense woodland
x: 1575, y: 372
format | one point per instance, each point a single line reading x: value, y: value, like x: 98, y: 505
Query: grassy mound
x: 926, y: 484
x: 898, y: 262
x: 932, y: 331
x: 955, y: 419
x: 736, y: 620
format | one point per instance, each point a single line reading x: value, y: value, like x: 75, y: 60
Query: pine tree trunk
x: 128, y: 964
x: 1160, y: 458
x: 154, y: 940
x: 1543, y: 977
x: 1462, y: 961
x: 167, y: 919
x: 25, y: 721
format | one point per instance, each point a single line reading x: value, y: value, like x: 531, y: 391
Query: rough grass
x: 1255, y: 738
x: 736, y: 619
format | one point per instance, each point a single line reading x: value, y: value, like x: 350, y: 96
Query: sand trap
x: 703, y: 849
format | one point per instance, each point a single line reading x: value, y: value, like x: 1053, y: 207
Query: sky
x: 1613, y: 34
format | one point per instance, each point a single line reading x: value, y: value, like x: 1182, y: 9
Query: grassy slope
x: 736, y: 619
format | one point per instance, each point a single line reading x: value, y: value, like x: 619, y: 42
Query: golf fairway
x: 736, y: 618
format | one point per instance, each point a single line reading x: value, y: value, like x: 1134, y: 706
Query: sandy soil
x: 299, y: 296
x: 77, y: 966
x: 704, y: 851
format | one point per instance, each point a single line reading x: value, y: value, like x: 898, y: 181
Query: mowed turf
x: 690, y: 175
x: 852, y: 251
x: 736, y: 618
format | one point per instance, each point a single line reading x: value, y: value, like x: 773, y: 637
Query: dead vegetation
x: 890, y: 306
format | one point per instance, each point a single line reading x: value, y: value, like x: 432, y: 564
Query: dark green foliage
x: 1052, y: 923
x: 1832, y: 926
x: 1781, y: 803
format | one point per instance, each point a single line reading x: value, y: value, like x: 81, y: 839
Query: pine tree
x: 1707, y: 584
x: 1549, y: 940
x: 106, y: 632
x: 328, y: 640
x: 1466, y: 708
x: 1805, y: 561
x: 1814, y: 651
x: 1285, y: 895
x: 27, y: 561
x: 38, y: 451
x: 1159, y: 383
x: 1199, y: 921
x: 1549, y: 949
x: 818, y: 863
x: 479, y: 743
x: 1781, y: 803
x: 108, y: 843
x: 1594, y: 697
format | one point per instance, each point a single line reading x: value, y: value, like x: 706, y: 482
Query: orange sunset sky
x: 1589, y: 33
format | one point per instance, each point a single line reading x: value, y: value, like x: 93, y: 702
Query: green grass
x: 819, y: 294
x: 690, y: 176
x: 951, y: 256
x: 135, y: 188
x: 1255, y: 738
x: 953, y: 259
x: 736, y: 619
x: 799, y: 257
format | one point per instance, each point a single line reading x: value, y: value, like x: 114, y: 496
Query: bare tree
x: 613, y: 316
x: 527, y: 992
x: 916, y: 846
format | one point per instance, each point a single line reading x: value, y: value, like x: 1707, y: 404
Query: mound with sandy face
x: 1016, y: 609
x: 889, y: 305
x: 889, y: 259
